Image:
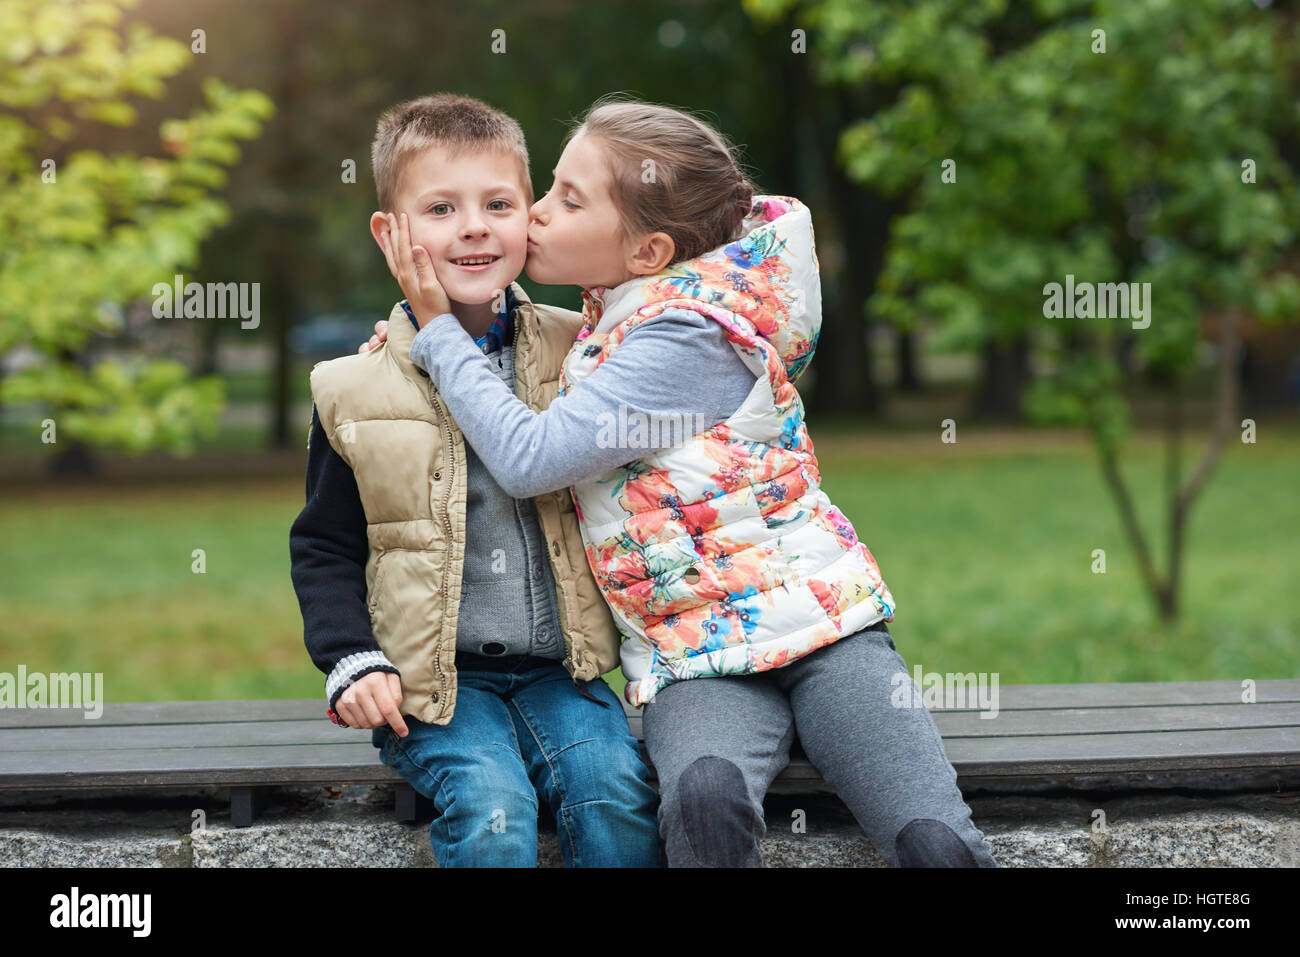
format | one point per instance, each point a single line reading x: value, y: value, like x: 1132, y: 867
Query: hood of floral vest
x: 769, y: 276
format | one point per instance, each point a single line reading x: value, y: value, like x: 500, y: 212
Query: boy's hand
x: 413, y: 270
x: 372, y: 700
x: 381, y: 333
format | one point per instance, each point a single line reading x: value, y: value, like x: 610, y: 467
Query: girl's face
x: 574, y: 233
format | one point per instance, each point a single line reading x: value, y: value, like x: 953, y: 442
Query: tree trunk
x: 1227, y: 402
x: 208, y: 342
x: 1006, y: 373
x: 74, y: 458
x: 286, y: 233
x: 1166, y: 591
x: 1173, y: 481
x: 908, y: 378
x: 844, y: 368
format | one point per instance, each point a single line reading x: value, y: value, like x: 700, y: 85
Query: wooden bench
x: 1105, y: 737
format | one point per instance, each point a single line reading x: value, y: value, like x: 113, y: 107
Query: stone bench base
x: 354, y: 826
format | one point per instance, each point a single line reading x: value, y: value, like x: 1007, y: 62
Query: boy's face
x: 465, y: 208
x: 575, y: 236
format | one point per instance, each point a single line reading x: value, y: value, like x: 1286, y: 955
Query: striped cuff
x: 353, y: 667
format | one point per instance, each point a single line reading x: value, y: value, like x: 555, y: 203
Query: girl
x: 681, y: 435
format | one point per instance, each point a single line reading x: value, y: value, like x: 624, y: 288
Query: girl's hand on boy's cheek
x: 413, y: 270
x: 381, y: 333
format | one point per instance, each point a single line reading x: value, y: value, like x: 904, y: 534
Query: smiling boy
x: 460, y: 623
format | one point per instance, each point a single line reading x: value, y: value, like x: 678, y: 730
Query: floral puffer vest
x: 721, y: 555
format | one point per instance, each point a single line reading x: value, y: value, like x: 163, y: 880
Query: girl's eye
x: 440, y: 209
x: 498, y: 205
x: 569, y: 205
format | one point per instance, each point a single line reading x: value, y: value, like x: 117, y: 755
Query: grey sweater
x: 507, y: 600
x: 678, y: 367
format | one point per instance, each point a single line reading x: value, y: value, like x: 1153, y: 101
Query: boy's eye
x: 569, y: 205
x: 499, y: 205
x: 440, y: 209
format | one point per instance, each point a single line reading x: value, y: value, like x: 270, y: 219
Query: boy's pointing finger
x: 394, y: 716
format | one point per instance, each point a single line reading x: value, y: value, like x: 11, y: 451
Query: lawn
x: 987, y: 546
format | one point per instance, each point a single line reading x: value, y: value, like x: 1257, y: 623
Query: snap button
x: 537, y: 569
x: 437, y: 475
x: 434, y: 696
x: 692, y: 576
x: 543, y: 633
x: 555, y: 548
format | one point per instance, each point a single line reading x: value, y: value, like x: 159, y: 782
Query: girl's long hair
x: 672, y: 173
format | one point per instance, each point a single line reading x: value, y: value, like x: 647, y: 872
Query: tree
x: 88, y: 231
x: 1135, y: 142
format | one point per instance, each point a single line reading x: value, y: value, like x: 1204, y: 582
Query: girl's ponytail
x: 744, y: 201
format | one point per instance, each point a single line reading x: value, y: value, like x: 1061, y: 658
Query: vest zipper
x: 559, y: 598
x: 446, y: 519
x: 582, y: 690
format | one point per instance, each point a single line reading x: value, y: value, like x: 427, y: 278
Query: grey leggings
x: 717, y: 743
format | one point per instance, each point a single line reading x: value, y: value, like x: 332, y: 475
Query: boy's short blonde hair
x: 449, y: 120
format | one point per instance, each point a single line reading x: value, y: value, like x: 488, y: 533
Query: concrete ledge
x: 354, y: 826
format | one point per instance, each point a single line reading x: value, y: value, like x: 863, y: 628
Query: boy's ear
x: 379, y: 228
x: 650, y: 254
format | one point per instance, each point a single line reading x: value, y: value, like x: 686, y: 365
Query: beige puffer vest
x: 386, y: 420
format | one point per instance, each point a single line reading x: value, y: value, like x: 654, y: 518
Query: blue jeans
x: 521, y: 734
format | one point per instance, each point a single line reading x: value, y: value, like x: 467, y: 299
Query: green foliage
x: 1112, y: 141
x: 1116, y: 166
x: 86, y: 231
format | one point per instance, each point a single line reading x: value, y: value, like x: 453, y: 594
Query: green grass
x: 988, y: 553
x: 986, y: 545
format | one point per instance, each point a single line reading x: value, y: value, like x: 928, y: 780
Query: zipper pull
x: 582, y: 690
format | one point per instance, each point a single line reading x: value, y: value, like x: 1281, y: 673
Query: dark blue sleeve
x: 329, y: 548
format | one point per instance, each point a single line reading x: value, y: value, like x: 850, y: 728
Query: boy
x: 461, y: 624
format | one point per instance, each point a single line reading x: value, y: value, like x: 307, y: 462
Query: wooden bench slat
x: 168, y: 712
x: 1011, y: 698
x: 1140, y: 694
x: 1044, y: 735
x: 1062, y: 754
x: 357, y: 762
x: 1100, y: 721
x: 952, y: 725
x: 193, y: 737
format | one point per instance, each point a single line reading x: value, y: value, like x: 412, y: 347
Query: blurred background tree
x: 299, y: 224
x: 1123, y: 165
x: 1112, y: 141
x: 87, y: 230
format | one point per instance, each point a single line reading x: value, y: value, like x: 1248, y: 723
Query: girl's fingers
x: 395, y: 241
x: 404, y: 261
x: 394, y: 248
x: 387, y: 246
